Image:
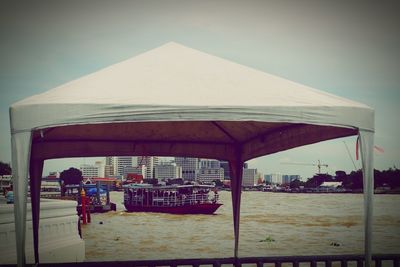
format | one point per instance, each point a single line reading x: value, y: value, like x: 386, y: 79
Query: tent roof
x: 177, y: 83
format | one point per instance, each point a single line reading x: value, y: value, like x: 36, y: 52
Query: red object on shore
x: 87, y: 200
x: 83, y: 200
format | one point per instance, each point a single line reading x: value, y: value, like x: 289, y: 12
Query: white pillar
x: 21, y: 146
x: 367, y: 157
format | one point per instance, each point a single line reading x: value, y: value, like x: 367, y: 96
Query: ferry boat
x: 176, y: 199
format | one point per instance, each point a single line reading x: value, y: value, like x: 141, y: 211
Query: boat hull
x: 205, y: 208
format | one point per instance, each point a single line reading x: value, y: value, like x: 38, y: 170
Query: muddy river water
x: 271, y: 224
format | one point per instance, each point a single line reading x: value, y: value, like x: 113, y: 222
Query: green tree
x: 296, y: 183
x: 71, y: 176
x: 5, y: 168
x: 318, y: 179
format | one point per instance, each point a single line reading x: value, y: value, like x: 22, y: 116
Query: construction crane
x: 319, y: 165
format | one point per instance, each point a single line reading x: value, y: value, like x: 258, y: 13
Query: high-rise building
x: 92, y: 170
x: 115, y: 166
x: 210, y: 163
x: 208, y: 175
x: 149, y: 162
x: 110, y: 169
x: 249, y: 177
x: 226, y: 167
x: 167, y: 170
x: 122, y: 163
x: 190, y: 167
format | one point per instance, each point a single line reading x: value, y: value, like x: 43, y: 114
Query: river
x: 271, y: 224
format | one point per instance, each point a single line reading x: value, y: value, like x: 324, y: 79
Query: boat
x: 97, y: 197
x: 175, y: 199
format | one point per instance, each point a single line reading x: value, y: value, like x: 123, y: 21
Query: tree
x: 317, y: 180
x: 5, y: 168
x: 71, y: 176
x: 296, y: 183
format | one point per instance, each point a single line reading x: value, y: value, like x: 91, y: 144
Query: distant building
x: 115, y: 166
x: 138, y: 170
x: 167, y: 171
x: 122, y: 163
x: 249, y: 177
x: 150, y: 163
x: 110, y: 168
x: 190, y: 167
x: 5, y: 182
x: 277, y: 178
x: 226, y: 167
x: 208, y: 175
x: 92, y: 170
x: 210, y: 163
x: 274, y: 178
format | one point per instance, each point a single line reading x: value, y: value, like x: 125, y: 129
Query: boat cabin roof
x: 166, y: 187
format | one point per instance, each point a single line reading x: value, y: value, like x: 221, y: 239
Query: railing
x: 173, y: 200
x: 295, y: 261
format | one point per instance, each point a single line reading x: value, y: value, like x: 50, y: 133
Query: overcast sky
x: 348, y: 49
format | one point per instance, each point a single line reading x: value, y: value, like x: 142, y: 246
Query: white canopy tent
x: 177, y: 101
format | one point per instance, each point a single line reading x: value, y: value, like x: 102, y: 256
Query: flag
x: 378, y: 150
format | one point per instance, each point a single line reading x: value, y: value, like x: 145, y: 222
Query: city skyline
x: 346, y: 50
x: 101, y: 164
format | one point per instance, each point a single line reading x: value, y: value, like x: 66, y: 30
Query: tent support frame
x: 36, y: 169
x: 236, y: 167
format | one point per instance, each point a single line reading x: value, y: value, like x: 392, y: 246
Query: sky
x: 347, y: 48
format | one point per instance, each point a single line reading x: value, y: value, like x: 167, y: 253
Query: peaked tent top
x: 177, y: 80
x: 176, y: 101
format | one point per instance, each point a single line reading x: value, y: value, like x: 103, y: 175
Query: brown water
x: 271, y: 224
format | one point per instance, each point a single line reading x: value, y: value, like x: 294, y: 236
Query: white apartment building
x: 110, y: 168
x: 92, y: 170
x: 115, y: 165
x: 190, y: 167
x: 167, y: 171
x: 249, y: 177
x: 208, y: 175
x: 274, y: 178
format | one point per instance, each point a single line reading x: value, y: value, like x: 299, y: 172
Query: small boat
x: 176, y: 199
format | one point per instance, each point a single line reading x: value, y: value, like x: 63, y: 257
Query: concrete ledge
x: 59, y: 239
